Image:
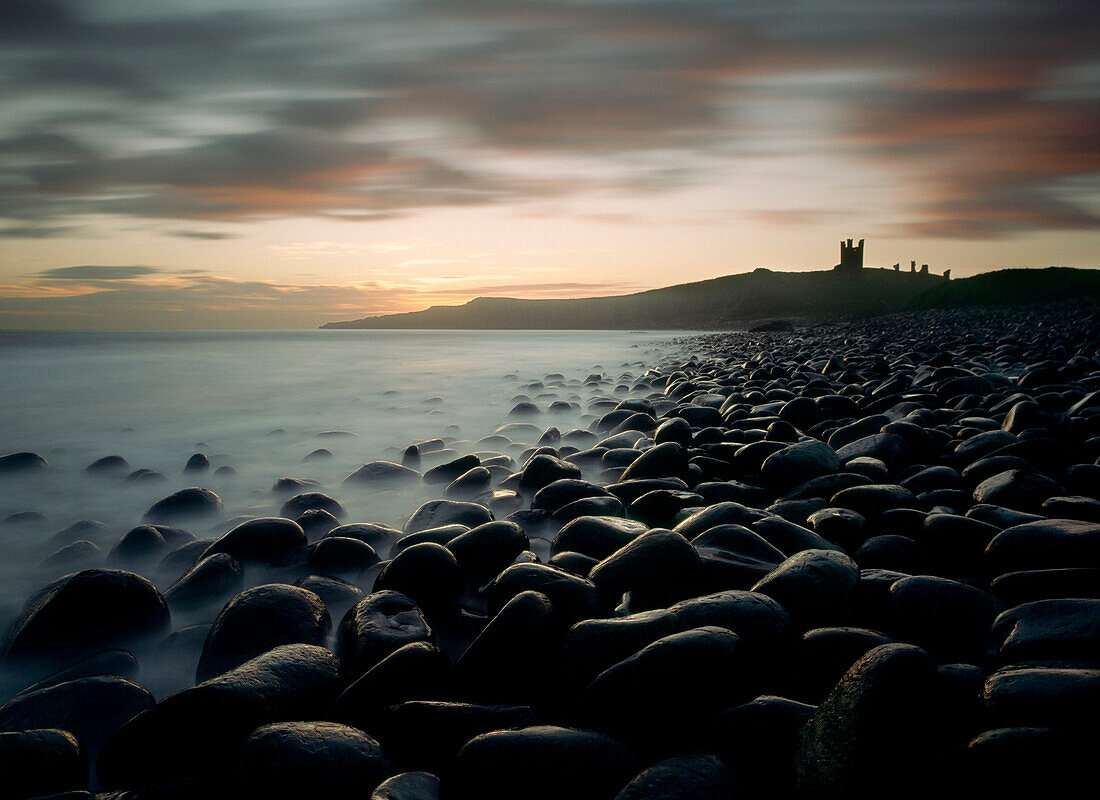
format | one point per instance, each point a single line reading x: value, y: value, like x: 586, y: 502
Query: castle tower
x: 851, y: 256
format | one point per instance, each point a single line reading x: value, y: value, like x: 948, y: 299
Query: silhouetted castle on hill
x: 851, y: 261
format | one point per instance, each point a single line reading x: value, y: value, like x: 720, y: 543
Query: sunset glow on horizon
x: 200, y: 164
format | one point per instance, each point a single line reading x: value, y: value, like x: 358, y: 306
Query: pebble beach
x: 844, y: 560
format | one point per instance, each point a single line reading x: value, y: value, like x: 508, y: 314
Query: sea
x: 259, y: 403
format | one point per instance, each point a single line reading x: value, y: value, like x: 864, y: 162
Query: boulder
x: 187, y: 504
x: 199, y: 732
x: 814, y: 586
x: 258, y: 620
x: 874, y: 729
x: 311, y: 759
x: 40, y: 762
x: 84, y: 613
x: 271, y: 541
x: 428, y: 573
x: 541, y: 763
x: 376, y: 626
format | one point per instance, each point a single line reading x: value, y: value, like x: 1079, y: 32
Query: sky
x: 286, y: 163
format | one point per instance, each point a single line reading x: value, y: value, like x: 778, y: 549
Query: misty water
x: 260, y: 403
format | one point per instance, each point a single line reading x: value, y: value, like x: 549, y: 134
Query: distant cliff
x: 721, y: 303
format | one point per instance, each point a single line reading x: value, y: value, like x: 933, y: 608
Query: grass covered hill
x: 737, y: 301
x: 1014, y: 287
x: 716, y: 304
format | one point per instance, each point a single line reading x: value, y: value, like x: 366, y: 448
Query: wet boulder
x: 544, y: 469
x: 418, y: 670
x: 108, y: 466
x: 798, y: 463
x: 271, y: 541
x: 341, y: 556
x: 657, y: 567
x: 515, y: 657
x: 873, y: 729
x: 541, y: 763
x: 408, y: 786
x: 199, y: 732
x: 427, y: 734
x: 573, y: 597
x: 193, y: 503
x: 211, y: 582
x: 669, y: 687
x: 1054, y: 630
x: 84, y: 613
x: 384, y: 474
x: 90, y: 708
x: 596, y: 536
x: 376, y: 626
x: 483, y: 552
x: 310, y: 501
x: 704, y: 777
x: 259, y: 620
x: 428, y: 573
x: 1019, y: 489
x: 310, y: 759
x: 668, y: 460
x: 1045, y: 543
x: 814, y: 586
x: 41, y: 761
x: 436, y: 513
x: 950, y: 620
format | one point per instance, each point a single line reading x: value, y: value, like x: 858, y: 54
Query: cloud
x: 244, y: 111
x: 89, y: 272
x: 143, y: 297
x: 210, y: 236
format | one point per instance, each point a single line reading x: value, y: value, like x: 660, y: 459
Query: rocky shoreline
x: 846, y: 561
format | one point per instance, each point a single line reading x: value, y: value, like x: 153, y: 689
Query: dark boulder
x: 873, y: 729
x: 483, y: 552
x: 341, y: 556
x: 108, y: 466
x: 671, y: 687
x: 186, y: 504
x: 668, y: 460
x: 541, y: 763
x: 597, y: 536
x: 1045, y: 544
x: 418, y: 670
x: 258, y: 620
x: 212, y: 581
x: 90, y: 708
x: 701, y: 777
x: 40, y: 762
x: 436, y: 513
x: 309, y: 501
x: 409, y: 785
x: 798, y: 463
x: 514, y: 657
x: 272, y: 541
x: 1056, y: 630
x: 657, y: 567
x: 572, y: 597
x: 814, y: 586
x: 81, y: 614
x: 311, y: 759
x: 376, y: 626
x: 384, y: 474
x: 428, y: 573
x: 1019, y: 489
x: 427, y: 734
x: 199, y: 732
x: 544, y: 469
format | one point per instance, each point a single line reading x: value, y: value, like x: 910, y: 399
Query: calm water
x: 260, y: 402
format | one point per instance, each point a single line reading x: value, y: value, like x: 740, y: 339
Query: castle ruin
x: 851, y: 261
